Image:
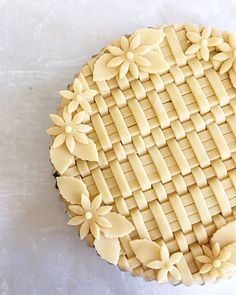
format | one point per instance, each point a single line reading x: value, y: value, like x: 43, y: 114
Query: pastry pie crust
x: 165, y: 145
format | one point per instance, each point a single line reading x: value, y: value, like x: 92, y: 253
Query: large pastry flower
x: 69, y: 130
x: 227, y: 55
x: 134, y: 55
x: 78, y: 97
x: 166, y: 264
x: 215, y: 262
x: 91, y: 216
x: 202, y: 42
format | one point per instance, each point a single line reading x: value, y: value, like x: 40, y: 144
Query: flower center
x: 88, y: 215
x: 216, y: 263
x: 68, y: 129
x: 78, y: 97
x: 130, y: 55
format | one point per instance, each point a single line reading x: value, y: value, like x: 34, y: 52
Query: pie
x: 144, y: 148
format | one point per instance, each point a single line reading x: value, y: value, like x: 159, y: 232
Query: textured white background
x: 42, y: 44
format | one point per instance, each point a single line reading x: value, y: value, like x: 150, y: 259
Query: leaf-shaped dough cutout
x: 108, y: 248
x: 232, y: 76
x: 151, y: 37
x: 225, y: 235
x: 101, y: 70
x: 87, y: 151
x: 120, y: 226
x: 61, y: 158
x: 145, y: 250
x: 158, y: 64
x: 232, y: 249
x: 71, y: 188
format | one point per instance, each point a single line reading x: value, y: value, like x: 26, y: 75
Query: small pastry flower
x: 92, y: 216
x: 78, y: 97
x: 215, y: 262
x: 166, y: 264
x: 202, y: 42
x: 227, y: 55
x: 130, y: 56
x: 69, y: 130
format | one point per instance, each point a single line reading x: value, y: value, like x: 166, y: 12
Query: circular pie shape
x: 144, y: 145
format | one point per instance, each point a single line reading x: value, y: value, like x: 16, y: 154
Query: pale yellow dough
x: 144, y: 145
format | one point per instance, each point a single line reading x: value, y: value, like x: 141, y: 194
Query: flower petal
x: 114, y: 50
x: 78, y: 118
x: 83, y: 128
x: 175, y: 258
x: 67, y: 94
x: 103, y: 210
x: 123, y: 70
x: 193, y: 37
x: 57, y: 120
x: 155, y: 264
x: 97, y: 201
x: 72, y: 106
x: 213, y: 274
x: 175, y: 273
x: 162, y: 275
x: 101, y: 70
x: 59, y: 140
x: 204, y: 53
x: 124, y: 43
x: 81, y: 138
x: 70, y: 143
x: 102, y: 221
x: 78, y: 87
x: 207, y: 251
x: 115, y: 62
x: 66, y: 115
x: 206, y: 32
x: 54, y: 130
x: 95, y: 230
x: 142, y: 61
x: 227, y: 266
x: 86, y: 105
x: 226, y: 65
x: 135, y: 41
x: 90, y: 93
x: 203, y: 259
x: 77, y: 220
x: 193, y: 49
x: 85, y: 202
x: 224, y: 255
x: 214, y: 41
x: 222, y: 56
x: 164, y: 252
x: 84, y: 230
x: 205, y: 268
x: 133, y: 68
x: 216, y: 249
x: 225, y: 47
x: 76, y: 209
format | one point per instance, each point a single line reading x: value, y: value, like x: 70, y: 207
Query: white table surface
x: 42, y: 44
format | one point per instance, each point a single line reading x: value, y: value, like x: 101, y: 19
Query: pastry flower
x: 227, y: 55
x: 202, y: 42
x: 166, y: 264
x: 215, y: 262
x: 132, y: 54
x: 91, y: 216
x: 69, y: 130
x: 78, y: 97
